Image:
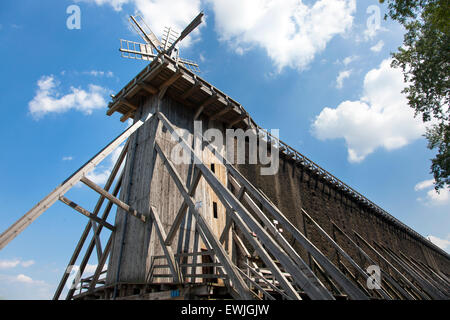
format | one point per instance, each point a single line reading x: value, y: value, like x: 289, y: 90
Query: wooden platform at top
x: 183, y: 86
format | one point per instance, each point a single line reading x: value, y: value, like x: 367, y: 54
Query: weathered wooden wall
x: 294, y: 187
x: 148, y: 183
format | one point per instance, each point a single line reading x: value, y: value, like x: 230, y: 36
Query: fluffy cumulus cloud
x: 159, y: 14
x: 441, y: 243
x: 49, y: 100
x: 432, y: 197
x: 22, y: 286
x: 380, y: 119
x: 290, y: 31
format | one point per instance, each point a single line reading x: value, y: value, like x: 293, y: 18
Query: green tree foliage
x: 425, y: 61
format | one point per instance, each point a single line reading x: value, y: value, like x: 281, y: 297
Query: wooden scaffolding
x: 268, y: 265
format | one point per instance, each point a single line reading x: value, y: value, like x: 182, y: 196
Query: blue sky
x: 313, y: 69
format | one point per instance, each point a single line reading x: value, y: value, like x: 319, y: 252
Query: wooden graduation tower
x: 212, y: 229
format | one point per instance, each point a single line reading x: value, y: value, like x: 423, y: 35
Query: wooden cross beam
x: 424, y: 284
x: 173, y: 265
x: 342, y: 252
x: 406, y: 280
x: 205, y: 103
x: 303, y: 275
x: 190, y: 91
x: 52, y: 197
x: 101, y: 264
x: 369, y: 259
x: 427, y: 275
x: 209, y: 236
x: 228, y: 200
x: 113, y: 199
x: 86, y: 213
x: 182, y: 211
x: 353, y: 291
x: 105, y: 214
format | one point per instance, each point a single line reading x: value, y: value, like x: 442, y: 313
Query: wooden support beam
x: 268, y: 295
x: 318, y: 268
x: 442, y: 287
x: 113, y: 199
x: 98, y: 244
x: 228, y: 223
x: 437, y: 274
x: 86, y: 213
x: 406, y: 280
x: 116, y: 105
x: 90, y: 247
x: 101, y: 264
x: 177, y: 75
x: 128, y: 104
x: 127, y: 115
x: 190, y: 91
x: 353, y: 291
x: 226, y: 230
x: 97, y: 231
x: 208, y: 235
x: 228, y: 200
x: 369, y: 260
x: 238, y: 119
x: 225, y: 110
x: 302, y: 274
x: 205, y: 103
x: 150, y: 89
x: 182, y: 211
x: 341, y: 251
x: 51, y: 198
x: 173, y: 265
x: 424, y: 284
x: 154, y: 70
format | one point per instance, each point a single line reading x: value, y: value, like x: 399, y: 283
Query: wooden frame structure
x: 270, y: 266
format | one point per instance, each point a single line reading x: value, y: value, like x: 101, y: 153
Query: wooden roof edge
x: 154, y: 68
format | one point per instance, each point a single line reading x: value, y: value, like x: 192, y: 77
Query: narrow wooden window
x: 213, y: 168
x: 215, y: 209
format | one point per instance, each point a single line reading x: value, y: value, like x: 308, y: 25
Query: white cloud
x: 162, y: 13
x: 27, y: 264
x: 441, y: 243
x: 424, y: 185
x: 349, y: 60
x: 68, y: 158
x: 290, y: 31
x: 341, y: 77
x: 100, y: 174
x: 378, y: 46
x: 116, y: 4
x: 98, y: 73
x: 8, y: 264
x: 432, y: 197
x: 380, y: 119
x: 24, y: 278
x: 48, y: 99
x: 22, y: 287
